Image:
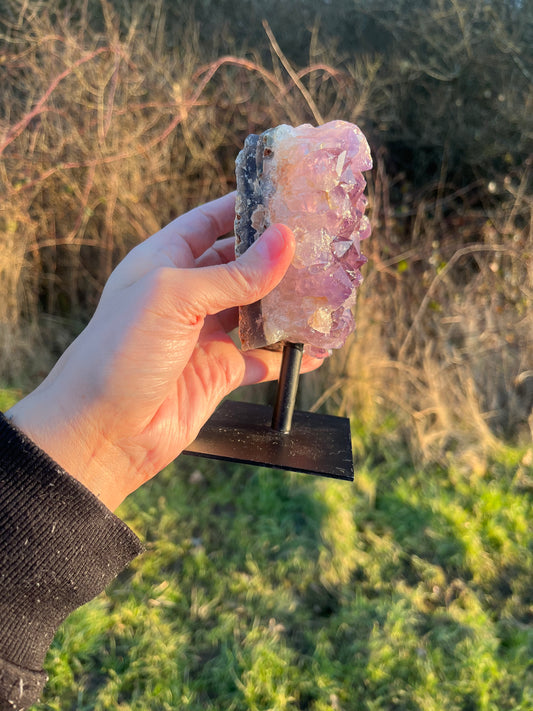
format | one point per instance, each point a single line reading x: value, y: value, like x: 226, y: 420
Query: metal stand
x: 279, y: 437
x: 287, y: 387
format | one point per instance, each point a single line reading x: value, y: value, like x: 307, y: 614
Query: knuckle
x: 170, y: 295
x: 245, y: 284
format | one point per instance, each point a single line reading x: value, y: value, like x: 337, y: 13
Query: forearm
x: 59, y: 547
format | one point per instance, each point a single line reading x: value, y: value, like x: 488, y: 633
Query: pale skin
x: 133, y: 390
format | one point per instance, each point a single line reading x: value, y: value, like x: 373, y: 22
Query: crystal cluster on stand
x: 309, y: 179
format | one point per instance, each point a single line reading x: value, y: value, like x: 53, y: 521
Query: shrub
x: 115, y: 121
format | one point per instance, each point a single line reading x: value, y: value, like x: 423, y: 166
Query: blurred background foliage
x: 411, y: 589
x: 117, y: 117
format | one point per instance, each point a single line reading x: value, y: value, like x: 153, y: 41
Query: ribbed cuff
x: 59, y: 548
x: 19, y: 688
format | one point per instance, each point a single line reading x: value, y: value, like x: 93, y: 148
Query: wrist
x: 69, y: 441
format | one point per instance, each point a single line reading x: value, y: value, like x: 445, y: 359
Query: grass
x: 409, y: 589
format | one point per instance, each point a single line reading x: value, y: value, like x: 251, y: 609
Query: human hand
x: 133, y: 390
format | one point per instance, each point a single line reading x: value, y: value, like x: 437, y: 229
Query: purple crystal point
x: 311, y: 180
x: 349, y: 257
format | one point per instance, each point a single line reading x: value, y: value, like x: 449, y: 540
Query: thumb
x: 249, y: 278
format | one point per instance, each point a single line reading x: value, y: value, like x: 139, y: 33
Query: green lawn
x: 409, y: 589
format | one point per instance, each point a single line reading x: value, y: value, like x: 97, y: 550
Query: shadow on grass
x: 235, y: 605
x: 229, y: 580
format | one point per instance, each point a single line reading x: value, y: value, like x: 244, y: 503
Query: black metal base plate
x: 242, y: 432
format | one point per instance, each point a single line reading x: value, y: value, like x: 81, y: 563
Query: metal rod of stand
x: 287, y: 387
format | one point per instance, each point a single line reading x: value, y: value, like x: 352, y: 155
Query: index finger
x: 191, y: 234
x: 222, y: 252
x: 180, y: 242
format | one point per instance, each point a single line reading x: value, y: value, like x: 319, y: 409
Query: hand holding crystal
x: 133, y: 390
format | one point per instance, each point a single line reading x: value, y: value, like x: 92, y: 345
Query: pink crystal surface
x: 313, y: 182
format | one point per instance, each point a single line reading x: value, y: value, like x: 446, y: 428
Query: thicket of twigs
x: 112, y: 122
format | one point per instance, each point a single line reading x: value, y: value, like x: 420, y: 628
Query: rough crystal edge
x: 251, y: 194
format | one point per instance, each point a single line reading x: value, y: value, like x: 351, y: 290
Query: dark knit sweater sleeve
x: 59, y: 548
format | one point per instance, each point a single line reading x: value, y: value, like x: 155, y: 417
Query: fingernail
x: 271, y: 243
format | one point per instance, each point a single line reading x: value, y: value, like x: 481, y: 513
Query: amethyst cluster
x: 311, y: 180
